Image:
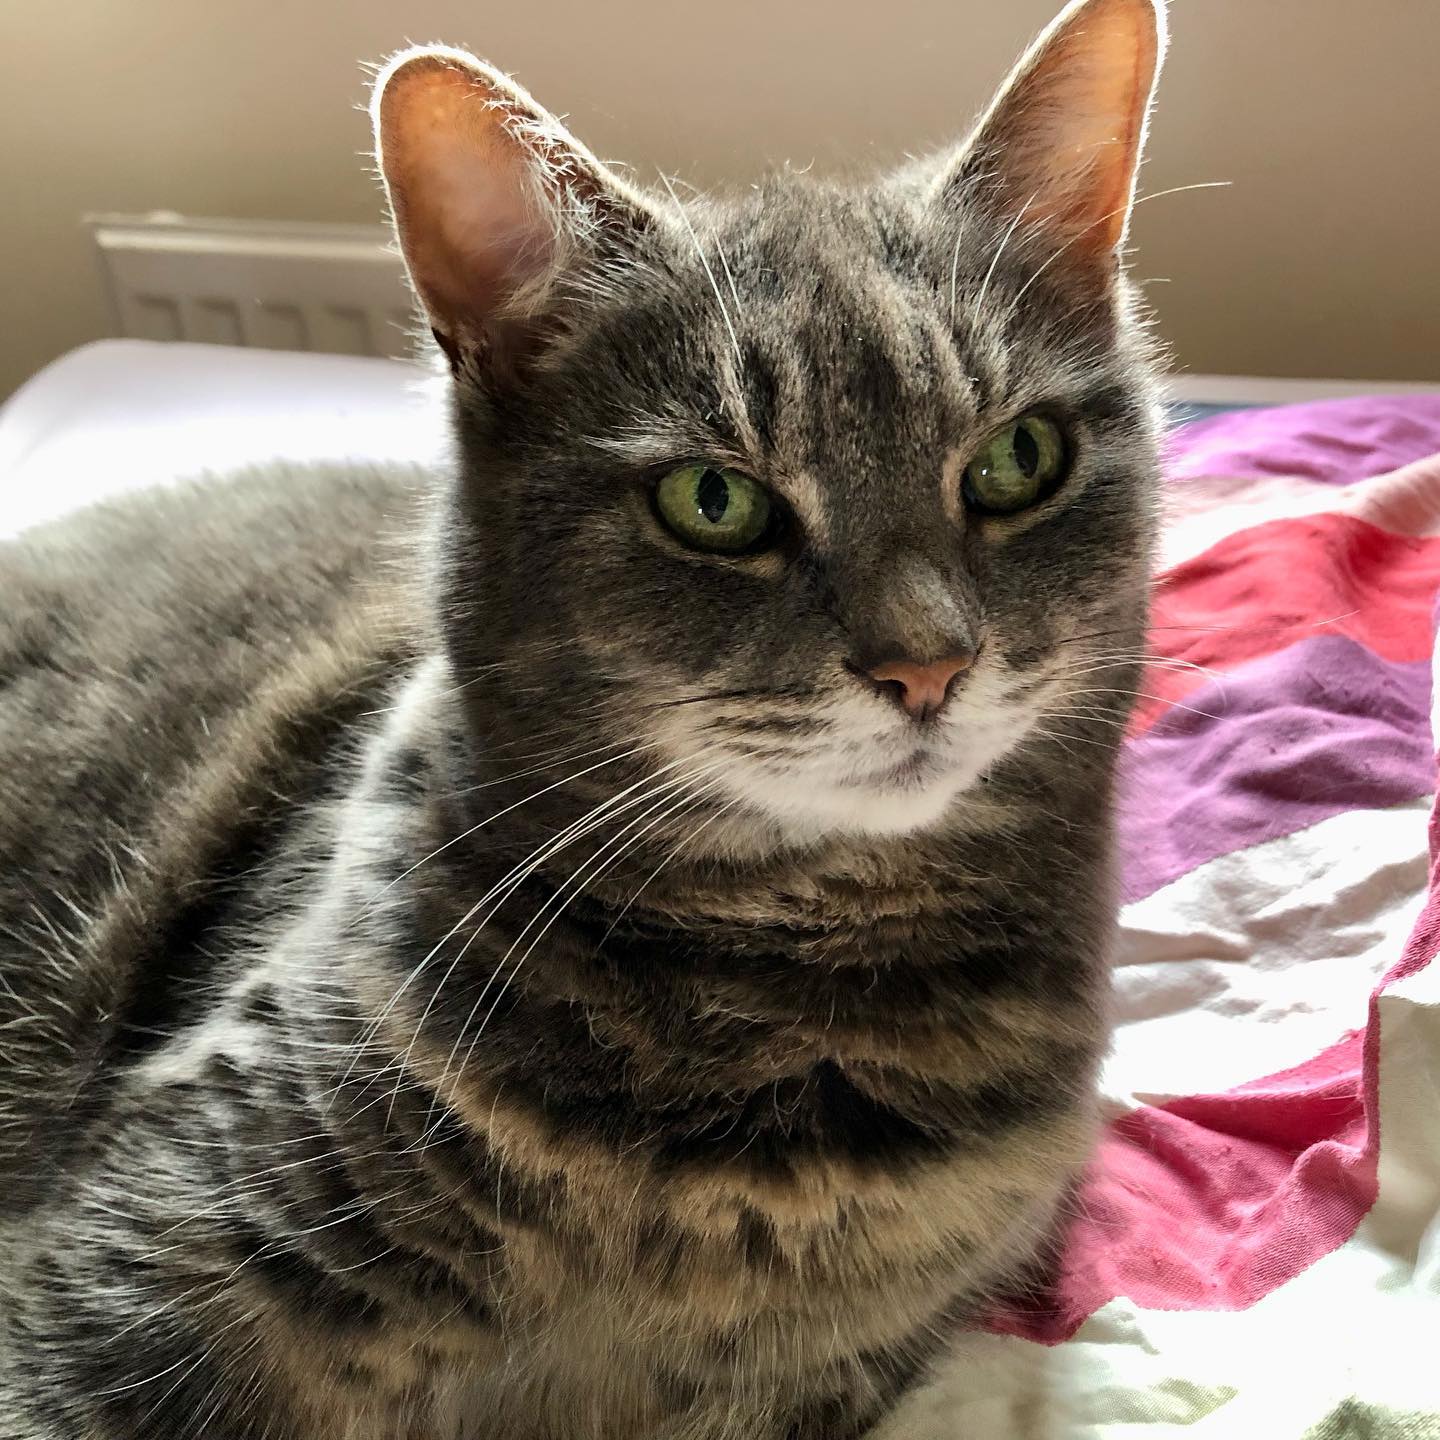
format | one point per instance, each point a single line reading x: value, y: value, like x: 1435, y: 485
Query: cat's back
x: 175, y: 672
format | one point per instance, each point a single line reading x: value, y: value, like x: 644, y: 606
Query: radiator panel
x: 279, y: 285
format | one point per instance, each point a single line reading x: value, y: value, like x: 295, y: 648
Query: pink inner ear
x: 1067, y: 130
x: 489, y: 240
x: 466, y: 200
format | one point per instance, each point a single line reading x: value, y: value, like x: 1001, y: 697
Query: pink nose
x: 921, y: 689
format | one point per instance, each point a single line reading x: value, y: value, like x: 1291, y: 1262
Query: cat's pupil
x: 712, y: 495
x: 1027, y: 452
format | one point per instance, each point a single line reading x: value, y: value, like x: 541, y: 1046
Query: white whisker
x: 599, y: 860
x: 700, y: 251
x: 490, y: 819
x: 509, y: 883
x: 975, y: 315
x: 1119, y: 210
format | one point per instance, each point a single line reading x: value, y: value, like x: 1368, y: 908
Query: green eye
x: 1016, y: 466
x: 714, y: 509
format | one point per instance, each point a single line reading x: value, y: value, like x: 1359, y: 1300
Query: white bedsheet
x: 118, y: 415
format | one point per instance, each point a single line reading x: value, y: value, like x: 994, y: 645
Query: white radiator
x: 279, y: 285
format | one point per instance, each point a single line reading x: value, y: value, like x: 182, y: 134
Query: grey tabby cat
x: 609, y: 942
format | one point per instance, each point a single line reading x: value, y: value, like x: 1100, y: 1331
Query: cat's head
x: 826, y: 499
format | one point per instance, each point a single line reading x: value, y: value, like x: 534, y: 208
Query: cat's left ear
x: 495, y: 204
x: 1060, y: 145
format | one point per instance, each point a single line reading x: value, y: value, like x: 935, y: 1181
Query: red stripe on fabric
x: 1213, y: 1201
x: 1283, y: 581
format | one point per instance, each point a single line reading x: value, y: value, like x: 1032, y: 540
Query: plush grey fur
x: 471, y: 966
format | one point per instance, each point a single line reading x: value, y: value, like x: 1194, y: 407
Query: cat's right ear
x: 494, y: 203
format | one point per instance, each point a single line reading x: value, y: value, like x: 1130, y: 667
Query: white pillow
x: 118, y: 415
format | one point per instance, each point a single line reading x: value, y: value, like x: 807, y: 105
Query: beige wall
x: 1325, y: 114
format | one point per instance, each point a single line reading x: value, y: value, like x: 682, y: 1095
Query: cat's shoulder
x: 181, y: 675
x: 195, y: 540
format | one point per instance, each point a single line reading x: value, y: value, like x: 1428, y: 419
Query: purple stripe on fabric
x: 1321, y: 727
x: 1332, y: 440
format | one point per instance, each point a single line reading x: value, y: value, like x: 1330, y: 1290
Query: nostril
x: 894, y: 689
x: 891, y: 689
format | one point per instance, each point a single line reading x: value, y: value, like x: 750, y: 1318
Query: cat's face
x: 824, y: 501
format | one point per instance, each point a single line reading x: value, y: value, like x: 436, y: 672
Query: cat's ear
x: 1060, y: 145
x: 494, y: 204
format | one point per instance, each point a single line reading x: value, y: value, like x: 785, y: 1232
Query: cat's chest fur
x: 774, y: 1120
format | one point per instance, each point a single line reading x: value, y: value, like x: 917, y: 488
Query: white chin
x: 811, y: 811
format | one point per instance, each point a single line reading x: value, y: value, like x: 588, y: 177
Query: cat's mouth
x: 911, y: 772
x: 847, y: 768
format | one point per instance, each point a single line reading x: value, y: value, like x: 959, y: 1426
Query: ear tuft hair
x: 493, y: 200
x: 1060, y: 145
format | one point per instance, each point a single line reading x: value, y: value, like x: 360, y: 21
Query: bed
x: 1256, y: 1252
